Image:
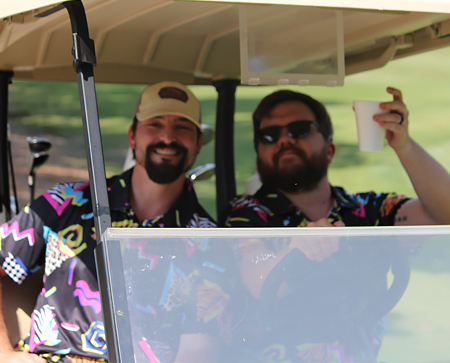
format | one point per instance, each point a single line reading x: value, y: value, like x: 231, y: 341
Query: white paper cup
x: 370, y: 135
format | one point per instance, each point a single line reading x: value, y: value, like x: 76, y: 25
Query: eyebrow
x: 183, y: 119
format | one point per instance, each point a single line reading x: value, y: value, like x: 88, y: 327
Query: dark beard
x: 165, y: 172
x: 304, y: 177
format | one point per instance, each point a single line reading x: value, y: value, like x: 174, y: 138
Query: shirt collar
x: 119, y: 191
x: 275, y: 201
x: 278, y: 203
x: 343, y: 199
x: 185, y: 205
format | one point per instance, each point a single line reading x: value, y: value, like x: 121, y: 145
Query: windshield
x: 381, y: 298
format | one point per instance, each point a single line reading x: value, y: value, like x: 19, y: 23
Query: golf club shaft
x: 31, y: 183
x: 13, y: 179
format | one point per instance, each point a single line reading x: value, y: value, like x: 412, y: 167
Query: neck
x: 316, y: 203
x: 149, y: 199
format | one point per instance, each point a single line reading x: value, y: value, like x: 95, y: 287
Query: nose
x: 168, y: 134
x: 285, y: 138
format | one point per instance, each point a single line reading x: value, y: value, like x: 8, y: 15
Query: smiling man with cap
x: 165, y: 138
x: 186, y: 319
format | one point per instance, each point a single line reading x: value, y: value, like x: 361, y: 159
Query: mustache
x: 163, y: 145
x: 301, y: 153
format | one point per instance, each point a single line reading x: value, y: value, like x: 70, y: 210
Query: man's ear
x: 331, y: 151
x: 131, y: 138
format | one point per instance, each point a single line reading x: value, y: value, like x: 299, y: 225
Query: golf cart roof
x: 196, y: 42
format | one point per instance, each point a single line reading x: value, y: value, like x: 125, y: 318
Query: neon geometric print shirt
x: 56, y: 233
x: 269, y: 208
x: 278, y: 337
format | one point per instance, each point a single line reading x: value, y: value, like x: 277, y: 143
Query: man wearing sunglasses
x: 293, y: 140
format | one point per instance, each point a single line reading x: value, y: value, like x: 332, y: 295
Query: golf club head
x: 208, y: 134
x: 38, y: 144
x: 39, y: 159
x: 202, y: 172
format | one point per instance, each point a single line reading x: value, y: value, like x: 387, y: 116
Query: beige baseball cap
x: 168, y: 98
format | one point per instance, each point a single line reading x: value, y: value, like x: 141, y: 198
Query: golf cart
x: 223, y: 44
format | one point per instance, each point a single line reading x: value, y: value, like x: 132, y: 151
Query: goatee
x: 165, y: 172
x: 304, y: 177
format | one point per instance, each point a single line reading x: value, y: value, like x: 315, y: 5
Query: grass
x: 420, y: 322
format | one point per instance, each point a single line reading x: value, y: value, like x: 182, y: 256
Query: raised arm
x: 430, y: 180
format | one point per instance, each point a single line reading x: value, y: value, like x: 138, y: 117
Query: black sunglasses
x: 296, y: 130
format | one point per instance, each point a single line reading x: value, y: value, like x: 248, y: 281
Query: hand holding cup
x: 370, y: 134
x: 377, y: 121
x: 395, y: 120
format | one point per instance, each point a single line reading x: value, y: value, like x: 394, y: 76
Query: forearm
x: 198, y: 348
x: 430, y: 181
x: 257, y: 265
x: 5, y: 344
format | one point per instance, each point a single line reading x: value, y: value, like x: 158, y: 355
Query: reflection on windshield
x: 379, y: 298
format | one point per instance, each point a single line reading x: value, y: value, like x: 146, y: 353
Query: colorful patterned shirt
x: 269, y: 208
x: 57, y: 232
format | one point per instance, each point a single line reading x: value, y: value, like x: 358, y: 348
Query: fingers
x: 318, y: 249
x: 396, y: 106
x: 38, y: 359
x: 398, y: 111
x: 21, y: 357
x: 330, y: 246
x: 325, y: 249
x: 396, y: 128
x: 395, y: 92
x: 322, y: 222
x: 393, y: 122
x: 306, y: 249
x: 394, y: 117
x: 32, y: 358
x: 311, y: 249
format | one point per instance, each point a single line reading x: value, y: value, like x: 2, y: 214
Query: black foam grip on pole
x: 224, y: 153
x: 5, y: 80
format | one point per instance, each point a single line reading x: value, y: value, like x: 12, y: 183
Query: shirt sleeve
x: 387, y: 206
x: 22, y: 249
x: 244, y: 211
x: 22, y: 239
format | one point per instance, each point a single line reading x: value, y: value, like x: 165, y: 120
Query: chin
x: 288, y: 166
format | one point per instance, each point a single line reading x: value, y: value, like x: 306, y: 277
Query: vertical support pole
x: 5, y: 80
x: 224, y: 153
x: 84, y: 61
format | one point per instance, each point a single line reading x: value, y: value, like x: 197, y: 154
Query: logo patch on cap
x: 175, y: 93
